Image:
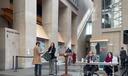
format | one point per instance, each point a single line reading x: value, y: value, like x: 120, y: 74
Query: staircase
x: 84, y: 22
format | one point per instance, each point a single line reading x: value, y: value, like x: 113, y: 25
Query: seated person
x: 108, y: 68
x: 90, y: 68
x: 115, y: 59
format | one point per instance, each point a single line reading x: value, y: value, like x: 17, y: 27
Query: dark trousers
x: 37, y: 69
x: 122, y: 62
x: 53, y: 67
x: 89, y: 70
x: 108, y: 70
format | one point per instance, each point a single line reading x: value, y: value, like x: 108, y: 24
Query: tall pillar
x: 97, y: 18
x: 74, y: 30
x: 50, y: 19
x: 68, y: 29
x: 25, y: 23
x: 124, y: 19
x: 65, y: 25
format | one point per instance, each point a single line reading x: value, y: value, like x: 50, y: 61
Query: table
x: 96, y: 63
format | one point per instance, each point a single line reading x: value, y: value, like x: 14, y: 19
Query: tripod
x: 125, y: 73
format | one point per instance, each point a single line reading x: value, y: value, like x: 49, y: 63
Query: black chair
x: 90, y: 70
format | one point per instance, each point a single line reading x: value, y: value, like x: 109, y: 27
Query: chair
x: 109, y: 69
x: 90, y: 70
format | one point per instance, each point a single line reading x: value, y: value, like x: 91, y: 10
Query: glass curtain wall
x: 111, y: 13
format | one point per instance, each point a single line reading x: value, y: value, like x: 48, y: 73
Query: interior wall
x: 65, y: 25
x: 3, y: 22
x: 114, y: 42
x: 83, y: 6
x: 73, y: 31
x: 81, y: 42
x: 50, y: 19
x: 61, y: 21
x: 2, y: 48
x: 3, y: 4
x: 46, y: 14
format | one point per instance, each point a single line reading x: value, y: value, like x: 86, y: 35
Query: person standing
x: 37, y: 59
x: 73, y: 57
x: 122, y: 57
x: 69, y: 52
x: 52, y: 51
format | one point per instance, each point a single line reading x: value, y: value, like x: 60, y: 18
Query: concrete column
x: 124, y: 19
x: 65, y: 25
x: 25, y: 23
x: 74, y: 31
x: 68, y: 28
x: 50, y: 19
x: 54, y: 21
x: 97, y: 20
x: 124, y: 14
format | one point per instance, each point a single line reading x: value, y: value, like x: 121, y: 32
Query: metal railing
x: 16, y: 67
x: 15, y: 61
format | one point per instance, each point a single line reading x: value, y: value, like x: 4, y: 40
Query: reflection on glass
x: 60, y: 47
x: 42, y: 45
x: 111, y: 13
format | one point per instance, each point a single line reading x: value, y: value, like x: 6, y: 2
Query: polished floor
x: 73, y: 70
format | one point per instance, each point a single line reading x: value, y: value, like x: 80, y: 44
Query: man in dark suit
x: 122, y: 57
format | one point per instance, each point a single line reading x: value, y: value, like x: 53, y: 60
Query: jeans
x: 37, y: 69
x: 122, y: 62
x: 52, y: 67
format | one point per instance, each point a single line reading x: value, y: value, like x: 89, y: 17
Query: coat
x: 123, y: 54
x: 52, y: 52
x: 37, y: 56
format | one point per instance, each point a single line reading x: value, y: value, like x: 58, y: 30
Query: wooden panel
x: 40, y: 32
x: 60, y: 38
x: 8, y: 10
x: 7, y: 15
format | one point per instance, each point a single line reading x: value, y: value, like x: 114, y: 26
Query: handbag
x: 47, y: 56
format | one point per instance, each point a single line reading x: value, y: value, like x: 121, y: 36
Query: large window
x: 89, y: 28
x: 100, y: 48
x: 42, y: 44
x: 111, y: 13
